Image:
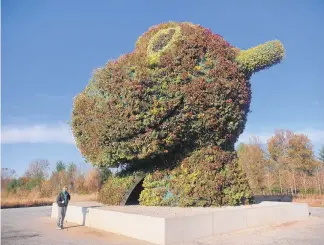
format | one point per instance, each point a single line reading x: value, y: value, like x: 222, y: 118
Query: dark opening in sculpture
x: 133, y: 198
x: 172, y: 109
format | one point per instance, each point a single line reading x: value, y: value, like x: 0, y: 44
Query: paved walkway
x: 33, y: 226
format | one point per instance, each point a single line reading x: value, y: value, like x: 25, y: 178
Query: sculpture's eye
x: 161, y: 42
x: 162, y: 39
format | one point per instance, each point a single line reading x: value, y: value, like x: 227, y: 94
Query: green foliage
x: 236, y: 188
x: 105, y: 174
x: 24, y: 183
x: 60, y: 166
x: 14, y: 184
x: 33, y: 182
x: 321, y: 154
x: 261, y: 56
x: 209, y: 177
x: 114, y: 189
x: 71, y: 169
x: 155, y: 190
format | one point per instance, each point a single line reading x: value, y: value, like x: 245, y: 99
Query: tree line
x: 288, y: 165
x: 39, y: 179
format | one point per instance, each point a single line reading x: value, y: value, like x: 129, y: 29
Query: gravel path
x: 32, y: 226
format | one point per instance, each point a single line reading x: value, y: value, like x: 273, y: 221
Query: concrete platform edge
x: 161, y: 230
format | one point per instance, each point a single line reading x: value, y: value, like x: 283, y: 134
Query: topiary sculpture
x: 174, y: 108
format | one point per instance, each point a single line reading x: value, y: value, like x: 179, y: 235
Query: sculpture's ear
x: 260, y: 57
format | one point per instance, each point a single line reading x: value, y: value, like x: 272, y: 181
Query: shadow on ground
x: 85, y: 210
x: 263, y: 198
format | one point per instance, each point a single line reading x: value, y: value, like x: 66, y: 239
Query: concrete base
x: 165, y: 225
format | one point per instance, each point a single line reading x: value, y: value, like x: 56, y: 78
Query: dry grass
x: 18, y: 203
x: 312, y: 200
x: 83, y: 198
x: 33, y: 200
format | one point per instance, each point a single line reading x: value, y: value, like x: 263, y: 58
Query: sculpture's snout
x: 261, y: 57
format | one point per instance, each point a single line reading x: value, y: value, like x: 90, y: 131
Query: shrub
x: 14, y: 184
x: 33, y: 183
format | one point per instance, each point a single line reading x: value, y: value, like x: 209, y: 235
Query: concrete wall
x: 256, y: 216
x: 75, y: 213
x: 188, y: 228
x: 141, y: 227
x: 166, y: 230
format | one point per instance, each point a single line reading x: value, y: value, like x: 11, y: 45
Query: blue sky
x: 50, y: 48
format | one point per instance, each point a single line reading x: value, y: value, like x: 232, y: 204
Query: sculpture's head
x: 182, y: 86
x: 167, y: 38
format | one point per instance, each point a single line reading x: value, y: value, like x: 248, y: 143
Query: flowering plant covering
x: 182, y: 90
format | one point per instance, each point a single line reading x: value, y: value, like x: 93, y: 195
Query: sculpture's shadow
x: 85, y: 210
x: 272, y: 198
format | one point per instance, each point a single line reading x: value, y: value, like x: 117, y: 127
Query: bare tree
x: 38, y: 169
x: 8, y: 173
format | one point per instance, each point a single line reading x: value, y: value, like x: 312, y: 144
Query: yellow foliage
x: 261, y: 56
x: 154, y: 56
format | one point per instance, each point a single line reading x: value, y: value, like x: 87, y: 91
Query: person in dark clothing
x: 62, y: 201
